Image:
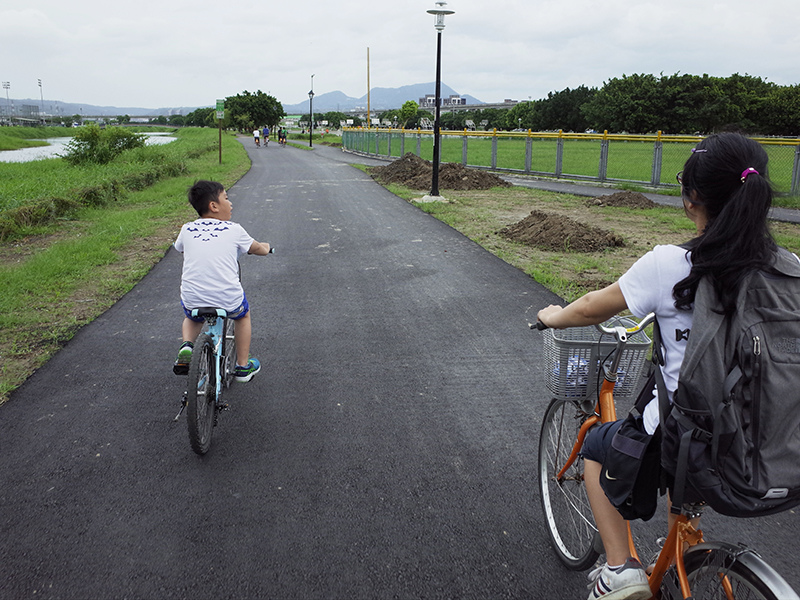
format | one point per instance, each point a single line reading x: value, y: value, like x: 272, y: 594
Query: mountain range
x: 380, y: 99
x: 68, y: 109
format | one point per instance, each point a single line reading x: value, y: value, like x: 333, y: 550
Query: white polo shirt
x: 211, y: 250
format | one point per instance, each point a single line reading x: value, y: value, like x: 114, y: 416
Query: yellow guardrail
x: 607, y: 165
x: 554, y: 135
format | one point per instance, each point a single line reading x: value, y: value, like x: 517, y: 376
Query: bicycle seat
x: 209, y: 311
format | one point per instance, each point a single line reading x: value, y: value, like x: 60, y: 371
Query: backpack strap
x: 691, y: 431
x: 658, y: 362
x: 661, y: 390
x: 699, y: 340
x: 679, y: 486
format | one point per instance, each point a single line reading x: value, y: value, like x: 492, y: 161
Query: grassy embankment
x: 73, y: 240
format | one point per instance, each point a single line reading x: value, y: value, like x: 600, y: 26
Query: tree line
x: 639, y: 103
x: 643, y: 103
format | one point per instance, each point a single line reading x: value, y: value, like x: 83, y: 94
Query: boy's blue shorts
x: 235, y: 314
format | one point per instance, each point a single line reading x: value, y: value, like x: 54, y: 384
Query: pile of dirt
x: 623, y: 199
x: 413, y: 172
x: 558, y: 234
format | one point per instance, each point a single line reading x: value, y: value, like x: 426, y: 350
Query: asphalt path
x: 386, y: 450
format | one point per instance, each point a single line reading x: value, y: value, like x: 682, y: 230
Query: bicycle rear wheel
x: 201, y: 392
x: 566, y: 507
x: 724, y: 571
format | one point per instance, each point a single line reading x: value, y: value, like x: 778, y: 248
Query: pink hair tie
x: 747, y: 172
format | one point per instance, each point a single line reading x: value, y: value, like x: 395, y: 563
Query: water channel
x: 56, y: 148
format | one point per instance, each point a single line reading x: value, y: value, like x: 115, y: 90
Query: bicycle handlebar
x: 618, y: 331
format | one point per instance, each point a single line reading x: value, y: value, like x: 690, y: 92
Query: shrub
x: 100, y: 146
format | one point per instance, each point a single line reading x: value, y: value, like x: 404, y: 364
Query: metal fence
x: 651, y: 160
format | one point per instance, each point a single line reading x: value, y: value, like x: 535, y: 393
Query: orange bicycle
x: 687, y: 566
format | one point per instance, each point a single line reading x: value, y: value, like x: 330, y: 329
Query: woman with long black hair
x: 727, y: 195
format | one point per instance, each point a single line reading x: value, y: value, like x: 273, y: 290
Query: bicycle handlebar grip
x: 272, y: 249
x: 538, y: 325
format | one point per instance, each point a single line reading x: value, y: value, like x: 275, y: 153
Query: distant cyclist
x: 265, y: 135
x: 256, y: 136
x: 282, y: 136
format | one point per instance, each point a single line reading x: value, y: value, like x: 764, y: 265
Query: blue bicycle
x: 210, y: 372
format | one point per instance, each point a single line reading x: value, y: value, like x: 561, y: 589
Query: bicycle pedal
x: 180, y: 369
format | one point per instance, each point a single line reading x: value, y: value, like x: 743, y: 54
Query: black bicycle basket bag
x: 631, y: 472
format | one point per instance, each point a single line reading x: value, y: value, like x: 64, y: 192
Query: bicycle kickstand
x: 184, y: 402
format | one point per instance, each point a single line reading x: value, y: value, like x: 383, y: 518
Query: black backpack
x: 733, y: 431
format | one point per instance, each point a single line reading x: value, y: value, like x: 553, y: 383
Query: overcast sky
x: 165, y: 53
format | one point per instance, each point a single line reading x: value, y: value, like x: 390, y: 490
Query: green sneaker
x: 244, y: 374
x: 181, y: 365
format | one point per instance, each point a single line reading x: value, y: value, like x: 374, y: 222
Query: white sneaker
x: 628, y: 582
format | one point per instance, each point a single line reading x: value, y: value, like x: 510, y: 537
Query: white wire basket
x: 572, y: 360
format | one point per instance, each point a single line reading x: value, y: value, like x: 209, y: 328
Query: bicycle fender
x: 750, y: 559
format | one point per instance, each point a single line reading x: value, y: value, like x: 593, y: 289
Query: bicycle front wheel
x: 201, y: 400
x: 727, y: 572
x: 565, y: 504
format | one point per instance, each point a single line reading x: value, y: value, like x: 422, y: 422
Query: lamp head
x: 439, y: 12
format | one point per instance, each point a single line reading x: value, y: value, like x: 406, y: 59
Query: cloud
x: 188, y: 53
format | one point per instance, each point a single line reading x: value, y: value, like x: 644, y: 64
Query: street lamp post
x: 41, y: 95
x: 311, y: 114
x: 439, y: 12
x: 6, y: 87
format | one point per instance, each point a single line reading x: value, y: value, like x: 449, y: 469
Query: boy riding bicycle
x: 211, y: 246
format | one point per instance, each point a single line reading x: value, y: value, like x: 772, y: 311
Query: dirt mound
x: 413, y: 172
x: 559, y: 234
x: 624, y: 199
